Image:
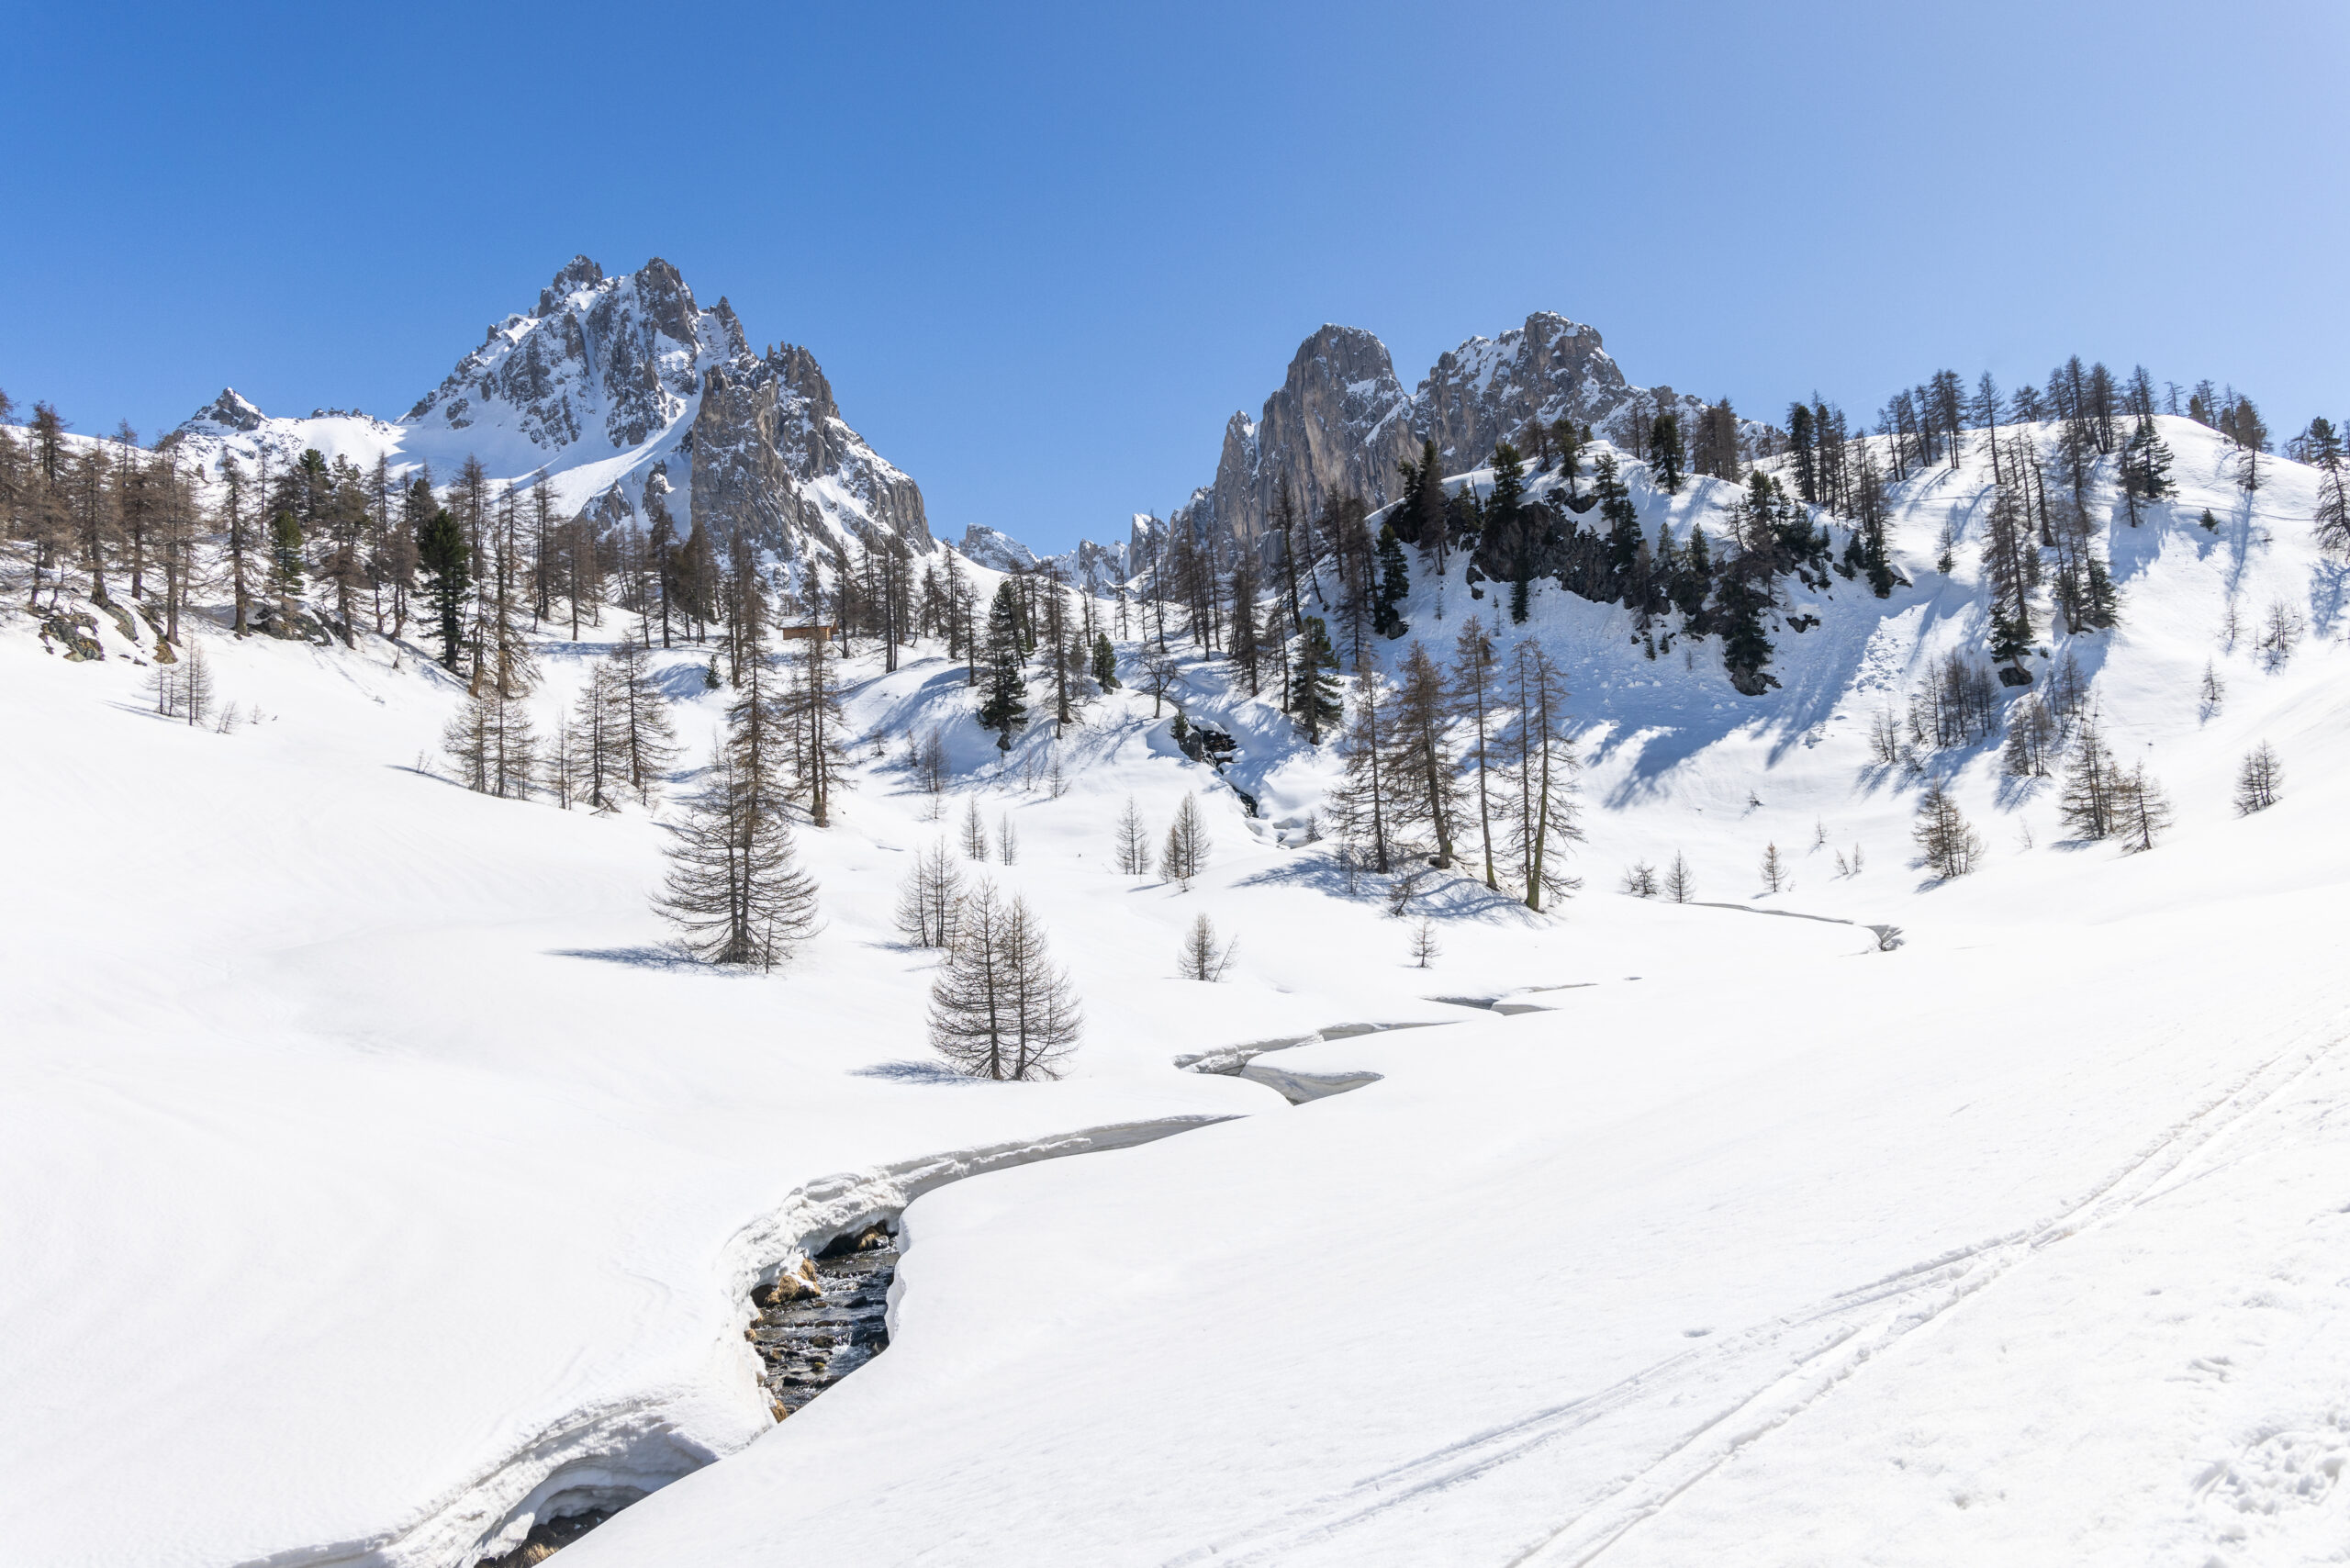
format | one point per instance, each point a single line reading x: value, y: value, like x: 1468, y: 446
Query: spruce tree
x: 2012, y: 566
x: 1105, y: 663
x: 1623, y: 526
x: 1428, y: 509
x: 1665, y: 452
x: 1740, y: 599
x: 1314, y: 687
x: 284, y: 561
x: 2333, y: 517
x: 1004, y: 709
x: 1245, y: 648
x: 1507, y: 520
x: 1395, y: 583
x: 2145, y: 468
x: 441, y: 551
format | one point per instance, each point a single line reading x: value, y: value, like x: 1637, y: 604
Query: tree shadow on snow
x: 912, y: 1073
x: 1457, y: 896
x: 645, y: 958
x: 2329, y: 581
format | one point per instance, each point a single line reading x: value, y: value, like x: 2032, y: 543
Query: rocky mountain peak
x: 627, y: 379
x: 1337, y: 426
x: 230, y: 411
x: 579, y: 273
x: 1488, y: 389
x: 805, y: 379
x: 994, y: 548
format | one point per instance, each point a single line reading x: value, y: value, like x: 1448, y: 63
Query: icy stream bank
x: 814, y: 1279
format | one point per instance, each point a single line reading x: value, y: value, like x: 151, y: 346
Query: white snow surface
x: 375, y: 1182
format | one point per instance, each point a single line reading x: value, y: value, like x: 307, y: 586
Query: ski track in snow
x: 1826, y: 1346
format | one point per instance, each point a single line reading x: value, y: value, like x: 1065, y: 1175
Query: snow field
x: 377, y: 1179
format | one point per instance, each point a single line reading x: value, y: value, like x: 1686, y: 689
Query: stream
x: 815, y: 1324
x: 809, y: 1342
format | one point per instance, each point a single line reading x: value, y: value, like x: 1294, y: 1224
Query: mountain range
x: 628, y: 395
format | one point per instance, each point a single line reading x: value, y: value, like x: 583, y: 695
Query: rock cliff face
x: 1341, y: 422
x: 614, y: 388
x: 1338, y: 426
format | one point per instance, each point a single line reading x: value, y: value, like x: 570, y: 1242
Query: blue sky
x: 1044, y: 251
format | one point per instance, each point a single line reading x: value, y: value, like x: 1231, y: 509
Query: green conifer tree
x: 1665, y: 453
x: 1395, y: 583
x: 1313, y: 681
x: 441, y: 551
x: 1005, y: 706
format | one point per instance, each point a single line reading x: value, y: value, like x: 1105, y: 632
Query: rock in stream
x: 809, y: 1340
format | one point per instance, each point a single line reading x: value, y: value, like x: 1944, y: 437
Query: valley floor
x: 376, y: 1181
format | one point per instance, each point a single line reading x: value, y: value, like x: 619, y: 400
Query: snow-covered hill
x: 378, y: 1182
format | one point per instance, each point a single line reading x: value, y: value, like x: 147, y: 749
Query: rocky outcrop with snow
x: 996, y: 550
x: 1337, y: 425
x: 619, y: 390
x: 1341, y: 422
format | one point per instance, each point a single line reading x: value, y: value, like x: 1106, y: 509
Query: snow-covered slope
x: 622, y: 391
x: 365, y: 1140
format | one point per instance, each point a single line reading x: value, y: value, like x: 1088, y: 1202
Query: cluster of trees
x: 1726, y: 586
x: 1000, y: 1007
x: 1037, y: 628
x: 1472, y: 761
x: 735, y: 890
x: 472, y: 560
x: 1677, y: 883
x: 1309, y: 602
x: 106, y: 513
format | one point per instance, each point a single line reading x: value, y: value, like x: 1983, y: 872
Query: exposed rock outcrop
x: 1338, y: 426
x: 995, y: 549
x: 610, y: 384
x: 1341, y: 422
